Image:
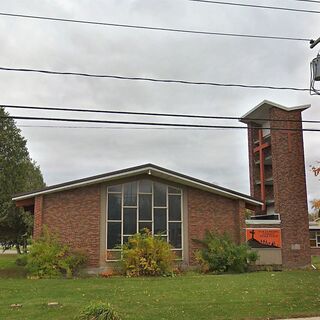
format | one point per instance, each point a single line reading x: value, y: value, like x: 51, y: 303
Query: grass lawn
x: 245, y: 296
x: 8, y: 268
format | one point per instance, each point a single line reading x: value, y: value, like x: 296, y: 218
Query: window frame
x: 180, y: 251
x: 317, y: 234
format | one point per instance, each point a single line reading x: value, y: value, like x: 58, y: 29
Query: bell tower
x: 277, y: 176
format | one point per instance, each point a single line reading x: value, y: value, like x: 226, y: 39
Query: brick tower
x: 277, y: 176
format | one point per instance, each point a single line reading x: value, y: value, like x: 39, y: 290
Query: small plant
x: 49, y: 258
x: 106, y: 274
x: 221, y: 254
x: 147, y: 255
x: 99, y: 311
x: 22, y: 260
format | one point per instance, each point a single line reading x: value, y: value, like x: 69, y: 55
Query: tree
x: 18, y: 173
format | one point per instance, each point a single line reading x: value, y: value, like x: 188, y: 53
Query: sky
x: 218, y: 156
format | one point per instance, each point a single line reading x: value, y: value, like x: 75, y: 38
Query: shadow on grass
x: 13, y: 272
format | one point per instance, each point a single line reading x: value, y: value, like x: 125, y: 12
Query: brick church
x: 99, y: 213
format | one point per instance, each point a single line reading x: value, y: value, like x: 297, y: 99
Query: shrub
x: 147, y: 255
x: 48, y: 258
x: 22, y: 260
x: 98, y: 311
x: 220, y: 254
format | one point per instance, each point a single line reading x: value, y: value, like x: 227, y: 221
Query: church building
x: 99, y: 213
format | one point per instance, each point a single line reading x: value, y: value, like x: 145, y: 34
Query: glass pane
x: 145, y: 186
x: 312, y: 234
x: 113, y: 234
x: 130, y: 194
x: 160, y: 221
x: 125, y: 239
x: 113, y: 255
x: 175, y: 234
x: 114, y: 206
x: 160, y: 195
x: 145, y: 207
x: 129, y: 220
x: 174, y: 190
x: 162, y: 237
x: 174, y: 208
x: 318, y: 239
x: 116, y: 188
x: 313, y: 243
x: 145, y: 225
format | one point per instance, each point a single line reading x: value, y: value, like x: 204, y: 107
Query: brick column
x: 290, y: 188
x: 240, y: 221
x: 38, y: 216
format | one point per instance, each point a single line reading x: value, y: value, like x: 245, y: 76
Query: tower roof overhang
x: 261, y: 111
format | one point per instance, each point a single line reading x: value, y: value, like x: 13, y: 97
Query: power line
x: 156, y: 114
x: 203, y: 83
x: 255, y: 6
x: 109, y: 24
x: 313, y: 1
x: 113, y: 127
x: 160, y: 124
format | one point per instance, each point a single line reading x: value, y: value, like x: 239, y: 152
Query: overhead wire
x: 143, y: 27
x: 312, y: 1
x: 114, y: 127
x: 109, y: 76
x: 237, y: 4
x: 140, y: 113
x: 184, y: 125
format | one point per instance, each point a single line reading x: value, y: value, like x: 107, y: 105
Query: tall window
x: 315, y: 239
x: 136, y: 205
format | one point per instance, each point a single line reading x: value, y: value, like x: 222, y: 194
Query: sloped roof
x: 261, y: 111
x: 149, y: 169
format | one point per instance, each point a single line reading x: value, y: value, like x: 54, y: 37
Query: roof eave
x: 151, y: 170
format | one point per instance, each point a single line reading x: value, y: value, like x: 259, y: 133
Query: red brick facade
x: 207, y: 211
x: 288, y: 188
x: 38, y: 216
x: 75, y: 216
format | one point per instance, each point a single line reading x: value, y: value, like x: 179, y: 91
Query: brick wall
x: 38, y: 208
x: 207, y: 211
x: 315, y: 251
x: 75, y: 216
x: 290, y: 189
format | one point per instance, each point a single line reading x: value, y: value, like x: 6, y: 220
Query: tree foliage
x: 316, y: 170
x: 18, y: 173
x: 315, y: 205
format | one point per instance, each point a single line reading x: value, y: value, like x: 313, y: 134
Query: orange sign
x: 263, y: 238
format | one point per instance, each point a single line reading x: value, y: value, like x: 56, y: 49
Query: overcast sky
x: 219, y: 156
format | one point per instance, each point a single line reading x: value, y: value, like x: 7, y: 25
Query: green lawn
x: 246, y: 296
x: 8, y: 268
